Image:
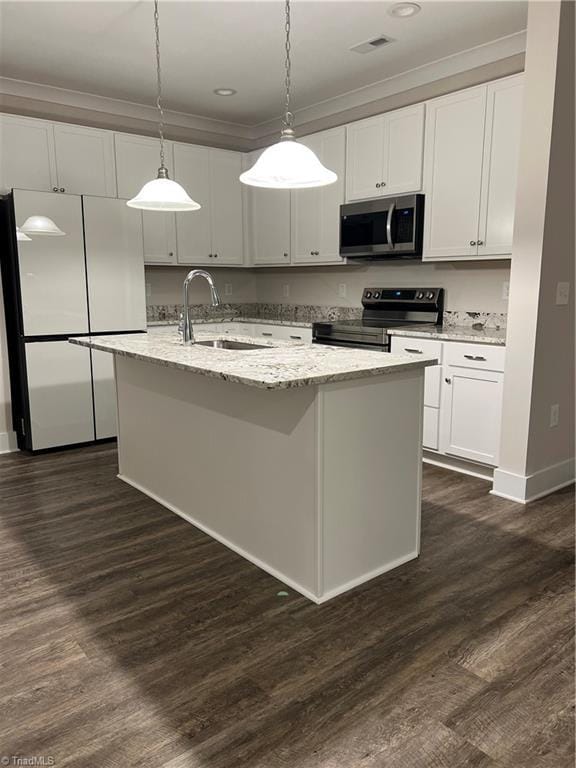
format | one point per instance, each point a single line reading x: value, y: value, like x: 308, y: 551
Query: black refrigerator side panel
x: 14, y: 323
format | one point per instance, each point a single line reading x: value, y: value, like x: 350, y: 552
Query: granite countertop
x: 282, y: 365
x: 229, y: 319
x: 495, y: 336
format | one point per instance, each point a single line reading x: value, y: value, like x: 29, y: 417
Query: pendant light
x: 288, y: 164
x: 22, y: 237
x: 162, y: 194
x: 40, y: 225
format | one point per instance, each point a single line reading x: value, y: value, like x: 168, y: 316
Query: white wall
x: 534, y: 455
x: 472, y: 287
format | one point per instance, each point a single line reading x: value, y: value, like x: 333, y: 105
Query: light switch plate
x: 554, y: 415
x: 506, y: 290
x: 562, y: 293
x: 286, y: 290
x: 227, y: 289
x: 342, y: 290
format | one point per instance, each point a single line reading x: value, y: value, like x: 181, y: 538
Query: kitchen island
x: 304, y: 459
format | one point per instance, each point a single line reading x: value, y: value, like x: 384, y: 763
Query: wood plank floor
x: 129, y: 638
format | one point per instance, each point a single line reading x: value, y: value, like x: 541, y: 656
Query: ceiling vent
x: 372, y: 45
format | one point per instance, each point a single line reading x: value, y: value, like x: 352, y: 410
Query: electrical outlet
x: 342, y: 290
x: 554, y: 415
x: 562, y: 293
x: 286, y: 290
x: 227, y: 289
x: 148, y: 290
x: 506, y: 290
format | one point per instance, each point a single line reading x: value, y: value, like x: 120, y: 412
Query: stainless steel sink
x: 229, y: 344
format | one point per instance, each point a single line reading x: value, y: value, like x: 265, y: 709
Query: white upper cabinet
x: 384, y: 154
x: 501, y: 149
x: 269, y: 222
x: 27, y: 158
x: 137, y: 161
x: 316, y: 212
x: 114, y: 265
x: 453, y: 173
x: 214, y: 234
x: 470, y: 160
x: 226, y: 206
x: 85, y: 160
x: 52, y: 269
x: 193, y: 227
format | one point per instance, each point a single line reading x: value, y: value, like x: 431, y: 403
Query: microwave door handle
x: 389, y: 225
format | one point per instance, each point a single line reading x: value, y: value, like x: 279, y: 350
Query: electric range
x: 384, y: 309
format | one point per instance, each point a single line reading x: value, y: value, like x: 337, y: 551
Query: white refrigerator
x: 90, y: 281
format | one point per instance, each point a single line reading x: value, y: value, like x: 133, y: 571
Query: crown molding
x: 472, y: 58
x: 50, y: 102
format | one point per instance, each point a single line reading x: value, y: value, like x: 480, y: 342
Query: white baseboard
x: 8, y: 442
x: 526, y: 488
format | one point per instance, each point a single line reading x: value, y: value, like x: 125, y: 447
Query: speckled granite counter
x: 282, y: 365
x: 495, y: 336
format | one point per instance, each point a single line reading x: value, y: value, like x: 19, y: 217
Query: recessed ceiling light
x: 403, y: 10
x: 225, y: 91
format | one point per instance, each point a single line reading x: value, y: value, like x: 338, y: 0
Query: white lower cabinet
x: 287, y: 332
x: 462, y: 397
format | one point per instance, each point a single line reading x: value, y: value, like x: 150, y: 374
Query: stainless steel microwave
x: 386, y: 228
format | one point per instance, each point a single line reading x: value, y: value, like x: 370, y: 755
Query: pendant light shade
x: 40, y: 225
x: 21, y: 236
x: 288, y: 164
x: 162, y: 194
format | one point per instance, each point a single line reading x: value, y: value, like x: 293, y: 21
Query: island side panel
x: 371, y: 470
x: 237, y: 461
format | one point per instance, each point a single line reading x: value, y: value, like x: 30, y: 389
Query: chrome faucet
x: 187, y: 330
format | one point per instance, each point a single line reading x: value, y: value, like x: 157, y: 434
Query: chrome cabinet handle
x: 382, y: 183
x: 54, y: 189
x: 285, y: 255
x: 378, y: 185
x: 480, y: 242
x: 62, y: 189
x: 448, y: 381
x: 170, y: 253
x: 473, y: 242
x: 474, y: 357
x: 413, y: 351
x: 215, y: 255
x: 296, y: 337
x: 265, y: 333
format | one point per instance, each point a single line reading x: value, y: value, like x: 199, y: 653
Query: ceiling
x: 107, y: 48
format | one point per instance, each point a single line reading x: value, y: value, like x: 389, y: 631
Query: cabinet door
x: 85, y: 160
x: 159, y: 236
x: 193, y: 228
x: 453, y: 173
x: 114, y: 265
x: 501, y: 149
x: 137, y: 161
x: 226, y: 207
x: 365, y: 159
x: 52, y: 269
x: 269, y: 223
x: 26, y: 154
x: 60, y: 393
x: 104, y: 388
x: 403, y: 151
x: 316, y: 212
x: 471, y: 414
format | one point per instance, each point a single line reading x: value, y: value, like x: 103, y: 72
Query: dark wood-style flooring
x: 129, y: 638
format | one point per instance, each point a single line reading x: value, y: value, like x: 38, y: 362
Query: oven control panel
x: 401, y: 295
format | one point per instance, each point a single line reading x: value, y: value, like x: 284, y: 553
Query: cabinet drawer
x: 402, y: 345
x: 479, y: 356
x: 430, y: 429
x: 291, y: 333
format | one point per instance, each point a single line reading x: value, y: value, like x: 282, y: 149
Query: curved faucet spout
x: 188, y: 331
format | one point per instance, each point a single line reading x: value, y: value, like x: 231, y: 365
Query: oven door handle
x: 389, y: 225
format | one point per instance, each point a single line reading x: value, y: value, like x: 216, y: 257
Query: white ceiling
x: 106, y: 48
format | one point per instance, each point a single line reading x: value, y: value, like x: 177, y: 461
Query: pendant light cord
x: 159, y: 84
x: 288, y: 116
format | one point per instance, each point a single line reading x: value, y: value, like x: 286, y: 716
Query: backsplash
x: 166, y: 313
